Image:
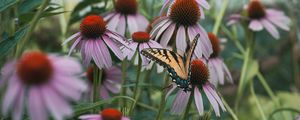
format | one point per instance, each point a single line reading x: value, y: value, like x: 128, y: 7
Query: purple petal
x: 212, y: 100
x: 70, y: 82
x: 109, y: 16
x: 130, y: 52
x: 114, y: 88
x: 255, y: 25
x: 19, y: 106
x: 121, y: 28
x: 162, y: 29
x: 180, y: 102
x: 278, y: 22
x: 36, y: 105
x: 104, y: 93
x: 66, y: 65
x: 55, y: 103
x: 71, y: 38
x: 101, y: 54
x: 90, y: 117
x: 125, y: 118
x: 164, y: 6
x: 218, y: 64
x: 213, y: 72
x: 216, y: 96
x: 198, y: 101
x: 74, y: 45
x: 157, y: 27
x: 270, y: 28
x: 154, y: 44
x: 227, y: 73
x: 202, y: 13
x: 114, y: 22
x: 113, y: 47
x: 6, y: 72
x: 12, y: 92
x: 166, y: 37
x: 87, y: 48
x: 203, y: 3
x: 132, y: 24
x: 142, y: 22
x: 181, y: 44
x: 170, y: 90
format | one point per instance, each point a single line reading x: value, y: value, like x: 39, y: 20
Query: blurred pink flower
x: 106, y: 114
x: 110, y: 82
x: 93, y: 40
x: 182, y: 26
x: 199, y: 82
x: 201, y: 3
x: 125, y: 17
x: 43, y: 84
x: 140, y: 41
x: 259, y: 18
x: 216, y: 66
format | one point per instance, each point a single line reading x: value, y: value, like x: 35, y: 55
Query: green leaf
x: 7, y: 44
x: 4, y: 4
x: 29, y: 5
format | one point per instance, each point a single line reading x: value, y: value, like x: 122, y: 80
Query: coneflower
x: 93, y: 39
x: 182, y: 25
x: 126, y: 17
x: 259, y: 18
x: 199, y: 82
x: 44, y: 83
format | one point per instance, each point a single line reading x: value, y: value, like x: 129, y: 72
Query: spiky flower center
x: 34, y: 68
x: 215, y: 45
x: 90, y: 74
x: 111, y: 114
x: 126, y: 6
x: 199, y: 72
x: 185, y: 12
x: 140, y: 37
x: 256, y: 10
x: 92, y: 26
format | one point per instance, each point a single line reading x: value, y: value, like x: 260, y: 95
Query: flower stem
x: 97, y: 75
x: 257, y: 102
x: 32, y: 27
x: 220, y: 17
x: 123, y: 89
x: 187, y: 110
x: 163, y: 100
x: 233, y: 115
x: 137, y: 89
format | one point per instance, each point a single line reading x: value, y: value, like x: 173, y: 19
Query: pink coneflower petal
x: 11, y: 94
x: 219, y: 67
x: 117, y: 38
x: 113, y: 47
x: 164, y: 6
x: 255, y: 25
x: 280, y: 23
x: 142, y: 22
x: 172, y: 86
x: 216, y: 96
x: 55, y: 103
x: 180, y: 102
x: 132, y: 24
x: 122, y: 25
x: 109, y: 16
x: 71, y: 38
x: 90, y: 117
x: 128, y: 52
x: 74, y: 45
x: 181, y: 40
x: 19, y: 106
x: 203, y: 3
x: 154, y: 44
x: 270, y: 28
x: 213, y: 73
x: 6, y: 72
x: 101, y: 53
x: 36, y: 105
x: 167, y: 36
x: 162, y: 29
x: 104, y: 93
x: 202, y: 13
x: 198, y: 101
x: 112, y: 87
x: 87, y: 51
x: 112, y: 25
x: 66, y: 65
x: 207, y: 47
x: 212, y: 100
x: 158, y: 25
x: 227, y: 73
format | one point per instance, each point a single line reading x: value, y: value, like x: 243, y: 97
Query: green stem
x: 32, y: 27
x: 257, y: 102
x: 97, y: 74
x: 220, y: 17
x: 163, y: 100
x: 137, y: 83
x: 187, y: 110
x: 123, y: 89
x: 233, y: 115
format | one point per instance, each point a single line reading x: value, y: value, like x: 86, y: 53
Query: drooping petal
x: 11, y: 94
x: 90, y: 117
x: 180, y: 102
x: 6, y: 72
x: 104, y: 93
x: 270, y: 28
x: 71, y: 38
x: 166, y: 37
x: 212, y: 100
x: 216, y: 96
x: 212, y: 72
x: 142, y: 22
x: 227, y: 73
x: 113, y: 23
x: 154, y: 44
x: 170, y: 89
x: 101, y: 54
x: 114, y: 88
x: 66, y: 65
x: 162, y: 29
x: 165, y: 4
x: 132, y: 24
x: 19, y: 105
x: 181, y: 43
x: 198, y: 101
x: 157, y: 27
x: 121, y: 28
x: 219, y: 67
x: 36, y: 105
x: 109, y: 16
x: 204, y: 41
x: 255, y: 25
x: 113, y: 47
x: 279, y: 22
x: 203, y: 3
x: 87, y: 49
x: 77, y: 41
x: 128, y: 52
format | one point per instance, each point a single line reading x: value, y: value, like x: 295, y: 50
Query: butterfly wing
x: 168, y: 59
x: 191, y: 52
